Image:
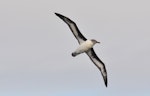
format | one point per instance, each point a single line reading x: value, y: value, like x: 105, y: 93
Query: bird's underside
x: 81, y: 39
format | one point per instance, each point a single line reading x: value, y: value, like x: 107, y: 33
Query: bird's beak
x: 98, y: 42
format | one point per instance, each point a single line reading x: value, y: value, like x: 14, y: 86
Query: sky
x: 36, y: 47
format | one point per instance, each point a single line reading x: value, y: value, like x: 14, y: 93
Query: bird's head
x: 94, y: 41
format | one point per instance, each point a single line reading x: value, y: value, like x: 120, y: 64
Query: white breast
x: 88, y: 44
x: 84, y: 46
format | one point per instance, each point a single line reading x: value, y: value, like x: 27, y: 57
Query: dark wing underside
x: 100, y: 65
x: 73, y: 27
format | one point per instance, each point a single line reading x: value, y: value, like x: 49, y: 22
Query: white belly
x: 85, y: 46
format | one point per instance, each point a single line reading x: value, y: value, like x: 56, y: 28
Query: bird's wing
x: 100, y: 65
x: 76, y: 32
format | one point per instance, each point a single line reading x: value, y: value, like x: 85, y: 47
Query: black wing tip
x: 59, y: 15
x: 64, y: 18
x: 106, y: 82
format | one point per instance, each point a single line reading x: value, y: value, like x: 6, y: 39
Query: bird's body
x: 83, y: 47
x: 86, y: 46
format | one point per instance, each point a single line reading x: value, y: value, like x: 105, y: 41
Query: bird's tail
x: 74, y: 54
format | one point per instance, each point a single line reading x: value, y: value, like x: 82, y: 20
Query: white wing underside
x: 75, y: 32
x: 99, y: 64
x: 73, y: 27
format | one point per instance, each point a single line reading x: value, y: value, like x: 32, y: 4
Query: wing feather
x: 100, y: 65
x: 73, y: 27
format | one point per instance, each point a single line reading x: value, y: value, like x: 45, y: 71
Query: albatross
x: 85, y: 46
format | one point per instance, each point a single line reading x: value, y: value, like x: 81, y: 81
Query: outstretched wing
x: 100, y: 65
x: 76, y: 32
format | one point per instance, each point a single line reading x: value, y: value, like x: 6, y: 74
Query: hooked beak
x: 98, y: 42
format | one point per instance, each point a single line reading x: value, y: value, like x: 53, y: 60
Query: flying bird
x: 85, y: 46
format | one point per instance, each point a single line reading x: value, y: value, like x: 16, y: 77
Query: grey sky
x: 36, y: 47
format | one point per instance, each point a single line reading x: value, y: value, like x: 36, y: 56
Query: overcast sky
x: 36, y: 47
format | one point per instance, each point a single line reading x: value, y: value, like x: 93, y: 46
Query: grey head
x: 94, y: 41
